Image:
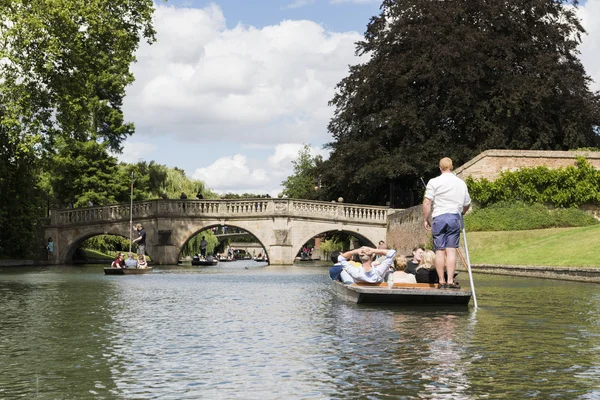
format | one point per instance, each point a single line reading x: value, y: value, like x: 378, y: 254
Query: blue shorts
x: 446, y: 231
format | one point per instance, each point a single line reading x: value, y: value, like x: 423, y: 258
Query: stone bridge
x: 282, y: 226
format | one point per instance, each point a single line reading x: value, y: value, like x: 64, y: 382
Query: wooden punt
x: 402, y: 293
x: 204, y: 262
x: 127, y: 271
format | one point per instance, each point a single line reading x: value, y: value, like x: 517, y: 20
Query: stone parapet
x: 491, y: 163
x: 579, y: 274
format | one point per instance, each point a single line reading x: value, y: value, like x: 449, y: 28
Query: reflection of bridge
x: 281, y: 225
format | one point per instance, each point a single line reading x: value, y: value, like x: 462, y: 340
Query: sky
x: 233, y: 89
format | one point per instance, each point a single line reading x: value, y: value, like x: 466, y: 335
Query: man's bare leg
x: 450, y: 264
x: 440, y: 260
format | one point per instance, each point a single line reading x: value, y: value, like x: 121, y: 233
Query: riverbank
x: 577, y: 274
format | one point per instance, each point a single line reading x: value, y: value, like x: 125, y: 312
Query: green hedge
x: 561, y: 187
x: 505, y: 216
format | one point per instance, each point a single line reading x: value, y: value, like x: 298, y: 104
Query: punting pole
x: 131, y: 212
x: 468, y: 260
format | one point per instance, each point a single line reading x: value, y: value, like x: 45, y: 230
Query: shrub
x: 561, y: 187
x: 512, y: 216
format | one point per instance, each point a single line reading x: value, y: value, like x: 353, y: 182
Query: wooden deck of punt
x: 202, y: 262
x: 127, y: 271
x: 402, y: 293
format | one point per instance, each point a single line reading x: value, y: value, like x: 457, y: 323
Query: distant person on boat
x: 367, y: 272
x: 199, y: 196
x: 119, y: 261
x: 141, y: 240
x: 50, y: 248
x: 400, y: 276
x: 131, y: 262
x: 183, y: 196
x: 203, y: 246
x: 446, y: 200
x: 142, y: 262
x: 412, y: 265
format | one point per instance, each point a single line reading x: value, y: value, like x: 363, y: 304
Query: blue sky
x: 232, y: 89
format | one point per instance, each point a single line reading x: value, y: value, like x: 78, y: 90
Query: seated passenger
x: 366, y: 272
x: 142, y: 261
x: 118, y: 262
x: 336, y: 270
x: 400, y: 276
x: 426, y: 272
x: 131, y: 262
x: 412, y: 265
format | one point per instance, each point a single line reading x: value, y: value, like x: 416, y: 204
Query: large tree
x: 64, y: 67
x: 454, y: 78
x: 303, y: 183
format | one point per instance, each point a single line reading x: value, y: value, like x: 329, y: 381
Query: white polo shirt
x: 448, y: 193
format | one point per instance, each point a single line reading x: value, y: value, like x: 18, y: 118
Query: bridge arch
x: 207, y: 227
x: 76, y: 243
x: 363, y: 237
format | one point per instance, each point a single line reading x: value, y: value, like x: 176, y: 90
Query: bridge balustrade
x: 221, y: 209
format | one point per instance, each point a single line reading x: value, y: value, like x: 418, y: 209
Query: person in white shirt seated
x: 399, y: 275
x: 366, y: 272
x: 130, y: 262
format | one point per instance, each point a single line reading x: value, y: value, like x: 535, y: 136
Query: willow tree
x: 64, y: 68
x: 454, y: 78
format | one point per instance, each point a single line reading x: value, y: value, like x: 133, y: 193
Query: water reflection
x: 280, y: 332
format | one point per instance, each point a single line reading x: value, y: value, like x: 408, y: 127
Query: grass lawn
x: 96, y: 255
x: 569, y: 247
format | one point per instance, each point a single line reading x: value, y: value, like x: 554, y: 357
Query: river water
x: 243, y: 330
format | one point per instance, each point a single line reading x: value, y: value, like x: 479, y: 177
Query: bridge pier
x: 281, y: 254
x: 164, y: 254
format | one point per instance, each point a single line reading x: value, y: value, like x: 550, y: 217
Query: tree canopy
x: 64, y: 67
x: 454, y: 78
x: 302, y: 183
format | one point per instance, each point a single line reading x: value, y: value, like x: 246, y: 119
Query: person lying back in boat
x: 119, y: 261
x: 131, y: 262
x: 141, y: 263
x: 366, y: 272
x: 400, y: 276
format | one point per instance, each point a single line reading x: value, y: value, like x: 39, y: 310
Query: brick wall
x: 491, y: 163
x: 406, y: 230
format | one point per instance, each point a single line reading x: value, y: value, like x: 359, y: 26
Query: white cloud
x: 590, y: 45
x: 354, y: 1
x: 202, y: 81
x: 240, y: 174
x: 135, y: 151
x: 300, y: 3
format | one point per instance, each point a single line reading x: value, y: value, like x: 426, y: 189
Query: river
x: 242, y: 330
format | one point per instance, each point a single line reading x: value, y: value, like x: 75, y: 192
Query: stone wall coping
x: 528, y: 154
x: 540, y: 268
x: 577, y: 274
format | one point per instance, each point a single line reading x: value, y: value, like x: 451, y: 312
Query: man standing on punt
x: 448, y: 197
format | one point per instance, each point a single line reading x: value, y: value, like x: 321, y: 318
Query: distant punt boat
x: 402, y: 293
x: 127, y: 271
x: 204, y: 262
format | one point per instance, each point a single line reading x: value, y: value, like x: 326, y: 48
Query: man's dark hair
x: 418, y: 247
x: 334, y: 256
x: 382, y: 241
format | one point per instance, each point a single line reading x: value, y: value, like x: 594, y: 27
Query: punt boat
x: 402, y: 293
x: 205, y: 262
x: 127, y: 271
